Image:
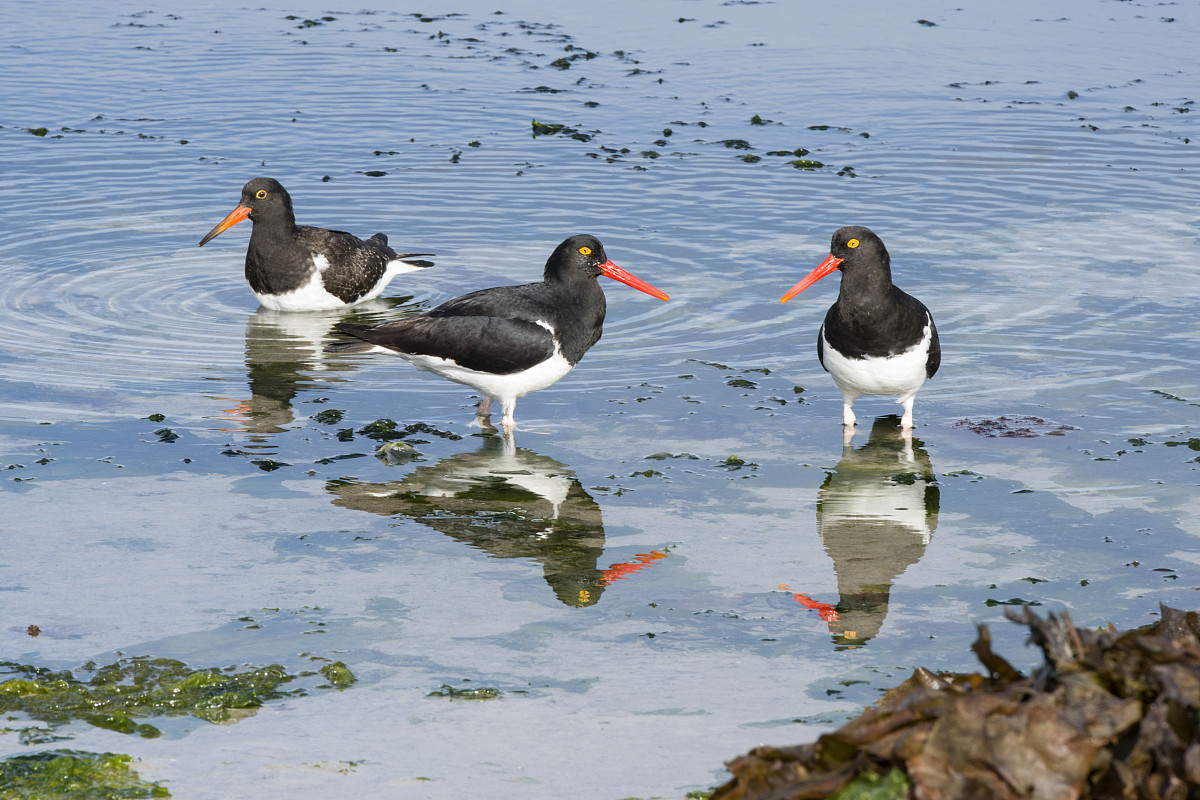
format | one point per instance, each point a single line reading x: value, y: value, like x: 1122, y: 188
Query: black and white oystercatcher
x: 294, y: 267
x: 875, y: 339
x: 511, y: 340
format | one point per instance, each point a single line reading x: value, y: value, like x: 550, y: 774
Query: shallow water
x: 647, y: 606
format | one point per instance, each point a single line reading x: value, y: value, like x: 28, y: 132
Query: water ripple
x: 423, y: 130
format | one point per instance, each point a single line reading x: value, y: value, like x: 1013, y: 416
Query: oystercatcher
x: 511, y: 340
x: 875, y: 339
x: 294, y: 267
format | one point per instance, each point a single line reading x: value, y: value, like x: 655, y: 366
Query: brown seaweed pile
x: 1108, y: 715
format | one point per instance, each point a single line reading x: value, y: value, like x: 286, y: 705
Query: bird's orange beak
x: 827, y: 266
x: 617, y: 274
x: 235, y: 216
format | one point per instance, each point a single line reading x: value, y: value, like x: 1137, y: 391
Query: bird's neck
x: 275, y: 227
x: 865, y: 287
x: 579, y: 316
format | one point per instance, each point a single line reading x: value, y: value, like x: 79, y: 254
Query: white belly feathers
x: 901, y: 374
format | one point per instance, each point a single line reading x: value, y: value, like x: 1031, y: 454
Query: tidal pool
x: 676, y: 558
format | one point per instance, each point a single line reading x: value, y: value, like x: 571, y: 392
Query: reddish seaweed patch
x: 1014, y: 427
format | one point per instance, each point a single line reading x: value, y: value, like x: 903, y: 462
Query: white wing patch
x: 309, y: 297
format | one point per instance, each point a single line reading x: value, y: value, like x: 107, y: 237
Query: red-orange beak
x: 235, y: 216
x: 827, y: 266
x: 617, y: 274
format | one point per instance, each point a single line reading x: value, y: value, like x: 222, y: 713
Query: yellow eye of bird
x: 587, y: 251
x: 852, y: 243
x: 260, y: 194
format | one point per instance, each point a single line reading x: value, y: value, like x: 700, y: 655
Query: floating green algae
x: 1012, y: 601
x: 338, y: 675
x: 452, y: 693
x: 386, y: 430
x: 329, y: 416
x: 546, y: 128
x: 73, y: 775
x: 555, y: 129
x: 116, y: 694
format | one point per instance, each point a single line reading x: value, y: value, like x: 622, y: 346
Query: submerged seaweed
x: 452, y: 693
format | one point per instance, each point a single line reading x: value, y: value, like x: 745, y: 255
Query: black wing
x: 821, y: 347
x: 499, y: 345
x: 935, y: 351
x: 509, y: 302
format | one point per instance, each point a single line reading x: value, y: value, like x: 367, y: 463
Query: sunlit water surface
x: 676, y: 559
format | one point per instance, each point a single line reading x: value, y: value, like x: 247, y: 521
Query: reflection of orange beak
x: 240, y: 413
x: 619, y: 572
x: 824, y: 268
x: 824, y: 610
x: 235, y: 216
x: 617, y: 274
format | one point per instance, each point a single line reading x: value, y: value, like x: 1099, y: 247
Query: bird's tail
x: 412, y: 260
x: 380, y: 240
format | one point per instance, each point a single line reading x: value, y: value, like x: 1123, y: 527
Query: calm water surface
x: 676, y: 559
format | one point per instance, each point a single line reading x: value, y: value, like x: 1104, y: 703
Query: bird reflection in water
x: 510, y: 503
x: 285, y: 357
x: 876, y: 513
x: 282, y: 354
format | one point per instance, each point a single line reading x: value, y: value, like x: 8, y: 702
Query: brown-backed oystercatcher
x: 294, y: 267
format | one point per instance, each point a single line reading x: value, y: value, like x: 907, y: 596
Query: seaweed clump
x: 1107, y: 715
x: 117, y: 694
x: 74, y: 774
x: 1015, y: 427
